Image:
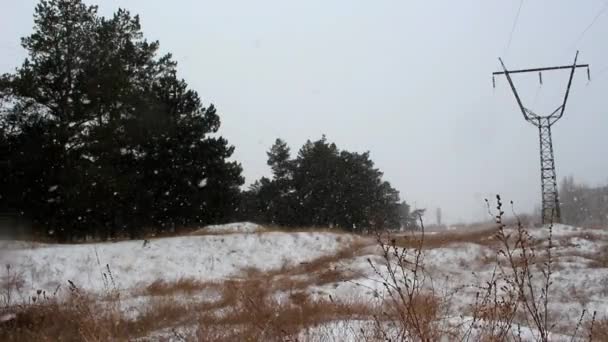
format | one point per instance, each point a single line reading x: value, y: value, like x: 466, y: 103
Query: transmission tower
x: 550, y: 199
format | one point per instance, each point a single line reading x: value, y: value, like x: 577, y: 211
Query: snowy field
x: 135, y: 263
x: 345, y: 268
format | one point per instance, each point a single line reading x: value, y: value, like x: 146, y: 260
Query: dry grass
x: 254, y: 313
x: 248, y: 308
x: 484, y: 237
x: 512, y: 296
x: 78, y: 318
x: 409, y: 302
x: 419, y: 318
x: 598, y: 330
x: 82, y: 317
x: 336, y: 230
x: 597, y: 259
x: 11, y: 284
x: 162, y: 287
x: 320, y: 271
x: 600, y: 259
x: 277, y: 305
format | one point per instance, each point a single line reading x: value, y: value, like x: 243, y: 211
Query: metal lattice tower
x: 550, y: 199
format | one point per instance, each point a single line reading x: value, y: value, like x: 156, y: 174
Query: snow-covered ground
x: 579, y: 283
x: 133, y: 263
x: 237, y: 227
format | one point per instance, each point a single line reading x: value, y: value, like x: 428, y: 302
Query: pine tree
x: 278, y: 195
x: 324, y: 186
x: 315, y: 179
x: 279, y: 160
x: 103, y: 137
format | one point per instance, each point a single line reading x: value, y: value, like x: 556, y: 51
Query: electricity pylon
x: 550, y: 199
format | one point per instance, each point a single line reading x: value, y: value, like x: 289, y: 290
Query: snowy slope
x: 237, y: 227
x: 225, y: 251
x: 576, y: 283
x: 211, y: 257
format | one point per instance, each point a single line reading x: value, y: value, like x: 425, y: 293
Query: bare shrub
x: 247, y: 309
x: 11, y: 284
x: 512, y: 297
x: 413, y: 310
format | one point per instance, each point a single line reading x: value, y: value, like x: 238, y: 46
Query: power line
x: 513, y: 27
x: 582, y: 35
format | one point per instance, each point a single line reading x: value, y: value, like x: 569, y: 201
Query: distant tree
x: 409, y: 219
x: 315, y: 183
x: 324, y: 186
x: 279, y: 160
x: 280, y: 199
x: 583, y: 205
x: 101, y: 134
x: 256, y: 202
x: 417, y: 216
x: 406, y: 220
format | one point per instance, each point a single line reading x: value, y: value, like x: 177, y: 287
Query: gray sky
x: 407, y: 80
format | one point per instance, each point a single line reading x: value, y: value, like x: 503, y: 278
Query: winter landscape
x: 347, y: 173
x: 245, y: 282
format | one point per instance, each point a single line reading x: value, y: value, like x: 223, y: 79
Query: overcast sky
x: 409, y: 81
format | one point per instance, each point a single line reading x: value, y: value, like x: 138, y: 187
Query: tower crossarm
x: 528, y: 114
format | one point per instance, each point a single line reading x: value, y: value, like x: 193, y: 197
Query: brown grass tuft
x: 162, y: 287
x: 600, y: 259
x: 254, y: 313
x: 79, y: 318
x: 598, y: 331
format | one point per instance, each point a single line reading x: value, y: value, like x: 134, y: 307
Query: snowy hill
x: 133, y: 263
x: 297, y: 270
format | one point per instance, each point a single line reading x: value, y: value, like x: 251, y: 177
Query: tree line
x: 325, y: 186
x: 99, y: 137
x: 583, y: 205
